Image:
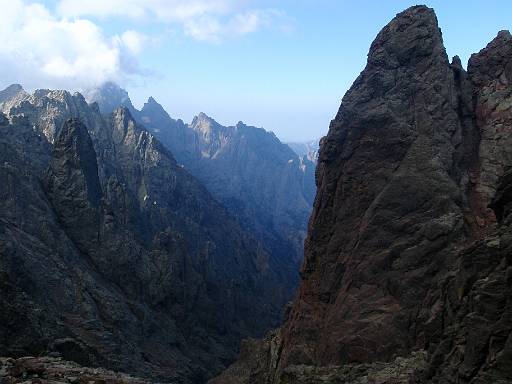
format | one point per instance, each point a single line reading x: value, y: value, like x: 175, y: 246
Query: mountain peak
x: 14, y: 88
x: 203, y: 120
x: 493, y: 59
x: 504, y: 34
x: 204, y: 116
x: 9, y: 92
x: 153, y: 105
x: 408, y: 39
x: 109, y: 96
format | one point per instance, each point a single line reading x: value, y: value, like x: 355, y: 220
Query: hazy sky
x: 283, y: 64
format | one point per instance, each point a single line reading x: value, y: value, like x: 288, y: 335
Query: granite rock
x: 408, y: 247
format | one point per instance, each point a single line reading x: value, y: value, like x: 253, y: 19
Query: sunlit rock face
x: 113, y: 255
x: 308, y: 149
x: 408, y: 249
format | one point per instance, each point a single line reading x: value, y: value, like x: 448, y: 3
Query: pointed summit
x: 151, y: 100
x: 202, y: 119
x: 153, y: 106
x: 109, y: 96
x: 408, y: 39
x: 154, y: 116
x: 493, y: 59
x: 9, y: 92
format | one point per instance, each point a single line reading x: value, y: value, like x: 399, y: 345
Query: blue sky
x: 282, y: 65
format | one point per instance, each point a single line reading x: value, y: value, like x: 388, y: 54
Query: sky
x: 283, y: 65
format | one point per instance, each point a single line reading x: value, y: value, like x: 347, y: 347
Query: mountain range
x: 114, y: 254
x: 134, y: 242
x: 260, y: 180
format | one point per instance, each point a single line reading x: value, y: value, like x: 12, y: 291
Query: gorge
x: 134, y: 242
x: 114, y: 255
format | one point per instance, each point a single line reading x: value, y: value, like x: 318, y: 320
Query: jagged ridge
x: 113, y: 255
x: 260, y: 180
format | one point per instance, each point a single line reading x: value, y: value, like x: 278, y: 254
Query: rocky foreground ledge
x: 46, y: 370
x: 50, y: 370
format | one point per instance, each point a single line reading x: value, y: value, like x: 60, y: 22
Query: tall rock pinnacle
x: 73, y: 184
x: 403, y: 255
x: 384, y: 174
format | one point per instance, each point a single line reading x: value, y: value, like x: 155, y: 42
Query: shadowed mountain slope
x: 113, y: 255
x: 261, y: 181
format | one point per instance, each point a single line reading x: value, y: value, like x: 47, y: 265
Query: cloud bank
x: 65, y: 47
x: 40, y: 49
x: 203, y: 20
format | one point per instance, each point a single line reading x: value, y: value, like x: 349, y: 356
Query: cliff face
x: 404, y: 253
x: 113, y: 255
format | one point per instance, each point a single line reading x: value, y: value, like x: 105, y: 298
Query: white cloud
x: 208, y: 28
x: 253, y: 20
x: 203, y: 20
x: 66, y: 48
x: 41, y: 50
x: 133, y: 40
x: 204, y: 28
x: 162, y: 10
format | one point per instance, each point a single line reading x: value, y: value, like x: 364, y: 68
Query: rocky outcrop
x: 387, y: 204
x: 45, y: 370
x: 408, y: 244
x: 113, y: 255
x: 73, y: 185
x: 51, y: 108
x: 476, y: 344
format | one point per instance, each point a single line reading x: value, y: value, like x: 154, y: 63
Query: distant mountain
x: 113, y: 255
x: 267, y: 186
x: 309, y: 149
x: 109, y: 97
x: 10, y: 92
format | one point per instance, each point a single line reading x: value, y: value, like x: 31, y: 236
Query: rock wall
x: 408, y: 244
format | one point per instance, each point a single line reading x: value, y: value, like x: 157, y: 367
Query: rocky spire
x: 72, y: 183
x: 385, y: 164
x: 490, y: 70
x: 403, y: 255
